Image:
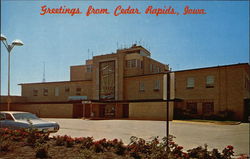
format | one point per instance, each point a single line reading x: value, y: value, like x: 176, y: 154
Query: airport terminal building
x: 130, y: 84
x: 125, y: 84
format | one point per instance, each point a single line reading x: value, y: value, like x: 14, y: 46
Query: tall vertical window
x: 56, y: 91
x: 158, y: 69
x: 157, y: 85
x: 133, y: 63
x: 190, y: 82
x: 138, y: 63
x: 151, y: 67
x: 128, y: 63
x: 107, y: 80
x: 141, y: 86
x: 45, y: 92
x: 35, y: 92
x: 209, y: 81
x: 154, y: 68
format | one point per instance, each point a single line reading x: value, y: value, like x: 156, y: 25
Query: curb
x: 208, y: 122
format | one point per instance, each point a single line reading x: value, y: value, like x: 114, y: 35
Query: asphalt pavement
x: 188, y: 134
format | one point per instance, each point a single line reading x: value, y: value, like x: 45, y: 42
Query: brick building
x: 124, y: 84
x: 214, y: 91
x: 130, y: 84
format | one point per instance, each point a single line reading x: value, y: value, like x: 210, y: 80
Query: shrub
x: 6, y: 145
x: 137, y: 148
x: 42, y: 151
x: 87, y: 142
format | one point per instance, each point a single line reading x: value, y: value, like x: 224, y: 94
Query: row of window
x: 155, y: 69
x: 209, y: 82
x: 207, y: 107
x: 136, y: 63
x: 45, y: 91
x: 156, y: 86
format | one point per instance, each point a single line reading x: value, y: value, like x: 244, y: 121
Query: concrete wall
x: 150, y: 110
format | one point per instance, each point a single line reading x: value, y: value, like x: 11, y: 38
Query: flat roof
x: 211, y: 67
x: 54, y: 82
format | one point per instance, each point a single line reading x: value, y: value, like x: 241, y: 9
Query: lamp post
x: 9, y: 48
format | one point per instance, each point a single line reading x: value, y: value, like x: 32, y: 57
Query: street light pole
x: 9, y: 48
x: 167, y: 107
x: 8, y: 81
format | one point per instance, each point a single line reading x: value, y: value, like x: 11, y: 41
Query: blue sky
x: 219, y: 37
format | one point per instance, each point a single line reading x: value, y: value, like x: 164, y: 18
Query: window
x: 2, y: 116
x: 154, y: 68
x: 89, y: 68
x: 138, y: 63
x: 134, y: 63
x: 35, y: 92
x: 128, y: 63
x: 78, y: 91
x: 190, y: 83
x: 141, y: 87
x: 151, y: 67
x: 8, y: 117
x: 208, y: 107
x: 45, y: 92
x: 157, y: 85
x: 56, y: 91
x: 210, y: 82
x: 67, y: 89
x: 192, y: 107
x: 158, y: 69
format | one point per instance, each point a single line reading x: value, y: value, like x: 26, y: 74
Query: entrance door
x: 102, y: 110
x: 87, y: 111
x: 125, y: 110
x: 77, y: 110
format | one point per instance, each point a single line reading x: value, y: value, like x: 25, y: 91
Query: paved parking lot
x: 187, y: 134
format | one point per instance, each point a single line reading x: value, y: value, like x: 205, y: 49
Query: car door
x: 7, y: 121
x: 2, y: 119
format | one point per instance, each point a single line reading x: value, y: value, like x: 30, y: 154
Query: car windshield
x: 24, y: 116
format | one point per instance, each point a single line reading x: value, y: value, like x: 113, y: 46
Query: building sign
x: 72, y: 98
x: 107, y: 80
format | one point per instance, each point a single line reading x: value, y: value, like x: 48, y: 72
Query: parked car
x: 26, y: 120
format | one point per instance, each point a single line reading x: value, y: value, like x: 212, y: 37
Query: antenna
x: 44, y: 80
x: 140, y: 42
x: 92, y: 54
x: 88, y: 53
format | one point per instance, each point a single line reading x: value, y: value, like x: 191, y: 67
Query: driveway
x: 188, y: 135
